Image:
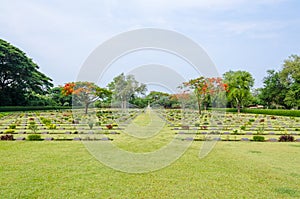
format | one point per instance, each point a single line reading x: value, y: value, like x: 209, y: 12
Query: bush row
x: 279, y: 112
x: 31, y: 108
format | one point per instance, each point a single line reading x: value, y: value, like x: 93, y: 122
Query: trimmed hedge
x: 31, y: 108
x: 258, y: 138
x: 279, y: 112
x: 34, y: 137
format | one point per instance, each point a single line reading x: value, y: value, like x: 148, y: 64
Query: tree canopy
x: 20, y: 78
x: 85, y: 92
x: 205, y: 89
x: 239, y: 83
x: 22, y: 84
x: 126, y: 88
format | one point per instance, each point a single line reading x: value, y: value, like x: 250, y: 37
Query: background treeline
x: 22, y: 84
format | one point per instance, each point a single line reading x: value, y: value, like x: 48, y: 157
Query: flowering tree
x: 204, y: 87
x: 85, y: 92
x: 182, y: 97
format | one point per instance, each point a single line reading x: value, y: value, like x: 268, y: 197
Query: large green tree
x: 19, y: 77
x: 240, y: 83
x: 126, y: 88
x: 274, y: 90
x: 290, y: 75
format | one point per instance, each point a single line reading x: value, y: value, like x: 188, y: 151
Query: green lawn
x: 232, y: 170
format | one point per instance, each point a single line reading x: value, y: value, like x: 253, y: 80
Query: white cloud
x: 60, y: 34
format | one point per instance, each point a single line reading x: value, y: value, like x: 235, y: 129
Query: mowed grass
x: 231, y: 170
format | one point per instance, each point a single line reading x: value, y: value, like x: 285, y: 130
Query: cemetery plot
x: 114, y: 124
x: 231, y: 127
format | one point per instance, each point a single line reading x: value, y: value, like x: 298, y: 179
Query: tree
x: 56, y: 94
x: 19, y: 76
x: 159, y: 98
x: 85, y: 92
x: 290, y: 75
x: 205, y: 87
x: 274, y: 91
x: 239, y: 83
x: 125, y: 88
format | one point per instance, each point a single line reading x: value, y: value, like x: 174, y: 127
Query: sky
x: 250, y: 35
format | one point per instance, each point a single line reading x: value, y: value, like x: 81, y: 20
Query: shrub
x: 7, y: 137
x: 294, y: 113
x: 45, y: 121
x: 29, y: 108
x: 262, y: 120
x: 34, y: 137
x: 91, y: 124
x: 286, y: 138
x: 32, y: 123
x: 243, y: 128
x: 12, y: 126
x: 33, y: 127
x: 258, y: 138
x: 8, y: 131
x: 52, y: 126
x: 109, y: 126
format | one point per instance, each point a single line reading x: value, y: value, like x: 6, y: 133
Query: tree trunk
x: 199, y: 104
x: 239, y: 108
x: 86, y: 108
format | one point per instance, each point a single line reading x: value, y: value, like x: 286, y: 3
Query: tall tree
x: 85, y: 92
x: 240, y: 83
x: 290, y: 75
x: 19, y: 76
x: 274, y: 90
x: 125, y: 88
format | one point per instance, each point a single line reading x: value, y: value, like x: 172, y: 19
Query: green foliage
x: 8, y: 131
x: 125, y: 88
x: 20, y: 77
x: 59, y: 98
x: 240, y: 83
x: 279, y: 112
x: 258, y: 138
x: 290, y: 75
x: 12, y: 126
x: 34, y: 137
x: 30, y: 108
x: 91, y: 124
x: 32, y: 126
x: 51, y: 126
x: 45, y: 121
x: 274, y: 90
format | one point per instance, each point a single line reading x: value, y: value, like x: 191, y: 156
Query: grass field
x: 65, y: 169
x: 231, y: 170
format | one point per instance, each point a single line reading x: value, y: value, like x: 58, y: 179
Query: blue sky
x: 251, y: 35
